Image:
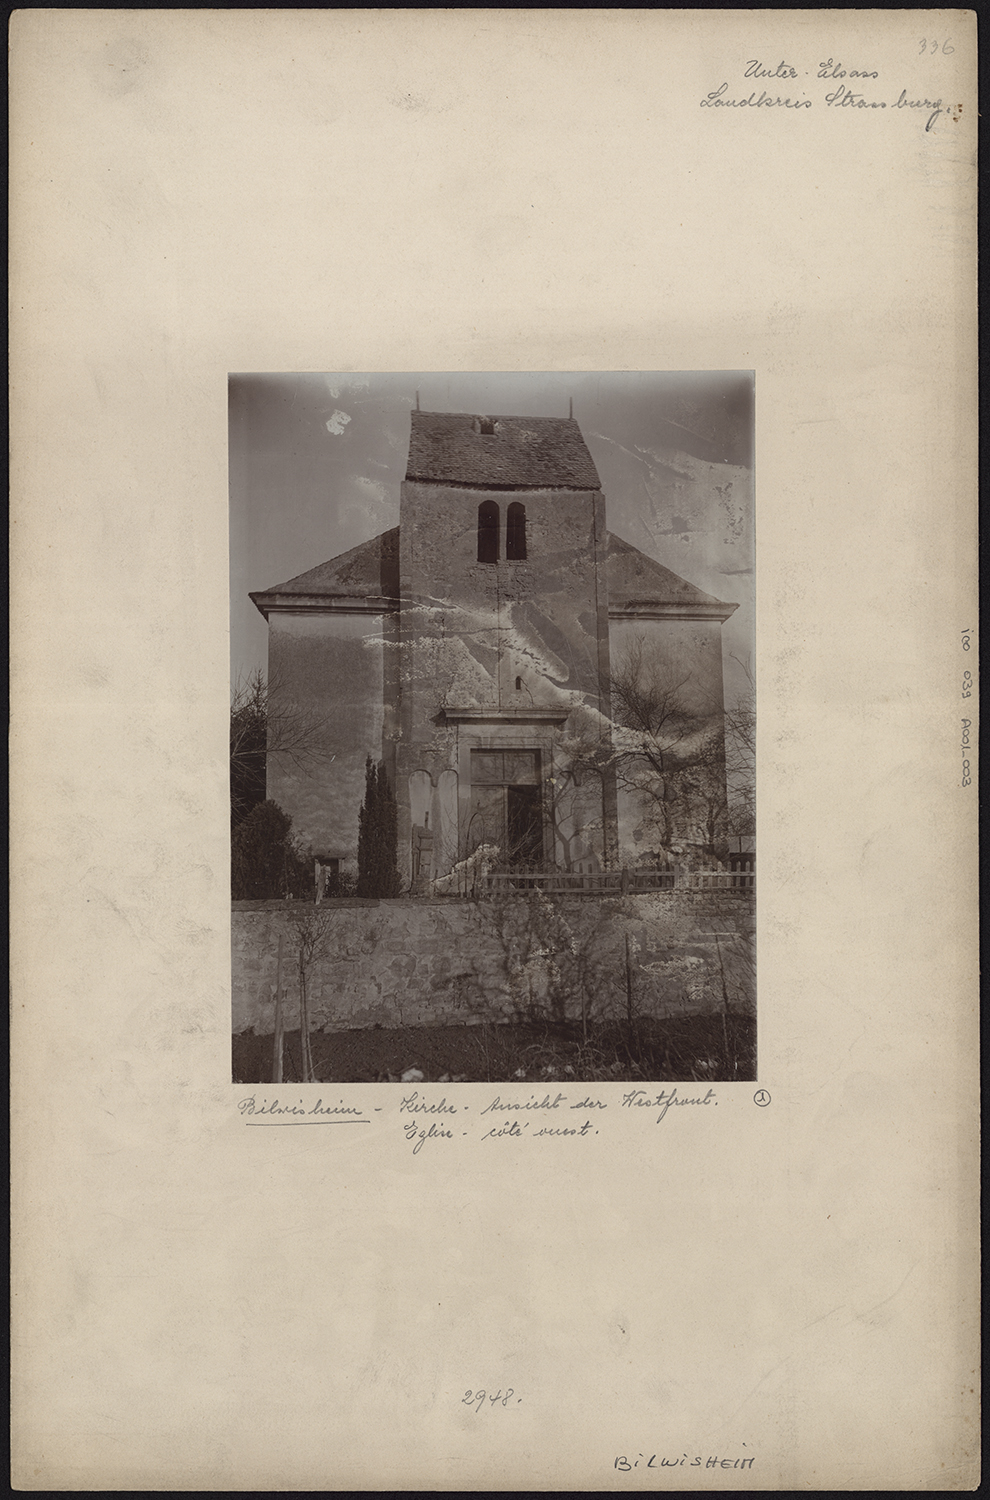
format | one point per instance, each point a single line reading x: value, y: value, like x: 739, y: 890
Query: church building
x: 476, y: 649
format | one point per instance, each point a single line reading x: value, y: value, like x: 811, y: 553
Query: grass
x: 704, y: 1049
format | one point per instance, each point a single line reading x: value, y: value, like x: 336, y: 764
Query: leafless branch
x: 263, y: 720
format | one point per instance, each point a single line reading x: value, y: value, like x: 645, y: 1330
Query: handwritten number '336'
x: 935, y: 47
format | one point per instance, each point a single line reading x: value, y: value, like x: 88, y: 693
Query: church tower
x: 501, y: 647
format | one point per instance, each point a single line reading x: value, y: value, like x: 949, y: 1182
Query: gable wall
x: 685, y: 655
x: 328, y: 669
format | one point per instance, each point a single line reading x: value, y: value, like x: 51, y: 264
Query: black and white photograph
x: 492, y: 727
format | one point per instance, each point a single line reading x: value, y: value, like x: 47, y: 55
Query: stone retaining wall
x: 418, y: 962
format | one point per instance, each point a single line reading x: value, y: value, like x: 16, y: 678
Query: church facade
x: 508, y: 658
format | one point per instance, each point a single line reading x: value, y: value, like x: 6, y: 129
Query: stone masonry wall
x: 417, y: 962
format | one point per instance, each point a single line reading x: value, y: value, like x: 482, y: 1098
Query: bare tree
x: 264, y: 722
x: 314, y: 929
x: 740, y: 758
x: 663, y: 739
x: 557, y: 962
x: 574, y: 792
x: 703, y: 786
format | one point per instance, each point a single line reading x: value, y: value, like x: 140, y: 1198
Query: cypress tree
x: 378, y: 823
x: 366, y: 818
x: 388, y: 837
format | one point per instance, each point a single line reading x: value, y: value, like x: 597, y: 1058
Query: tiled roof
x: 636, y: 581
x: 520, y: 452
x: 368, y: 571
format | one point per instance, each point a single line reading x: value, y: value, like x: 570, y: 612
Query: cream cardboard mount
x: 790, y: 1284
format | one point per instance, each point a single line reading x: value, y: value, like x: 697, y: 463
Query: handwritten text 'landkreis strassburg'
x: 848, y: 94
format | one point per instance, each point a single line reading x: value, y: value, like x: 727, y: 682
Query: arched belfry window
x: 515, y: 532
x: 488, y: 524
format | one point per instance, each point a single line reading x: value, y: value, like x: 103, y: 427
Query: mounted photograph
x: 492, y: 727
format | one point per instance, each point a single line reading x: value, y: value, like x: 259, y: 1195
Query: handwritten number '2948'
x: 477, y: 1398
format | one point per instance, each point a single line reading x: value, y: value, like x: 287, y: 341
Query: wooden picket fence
x: 616, y: 882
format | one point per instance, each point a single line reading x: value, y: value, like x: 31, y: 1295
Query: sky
x: 316, y: 462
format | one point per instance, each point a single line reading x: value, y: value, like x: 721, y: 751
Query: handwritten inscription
x: 717, y: 100
x: 516, y: 1130
x: 477, y: 1399
x: 755, y: 69
x: 532, y: 1103
x: 625, y: 1464
x: 541, y: 1117
x: 844, y: 97
x: 640, y: 1099
x: 299, y: 1111
x: 831, y: 70
x: 413, y: 1105
x: 418, y: 1138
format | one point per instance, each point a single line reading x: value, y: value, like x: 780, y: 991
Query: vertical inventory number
x: 966, y: 743
x: 967, y: 750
